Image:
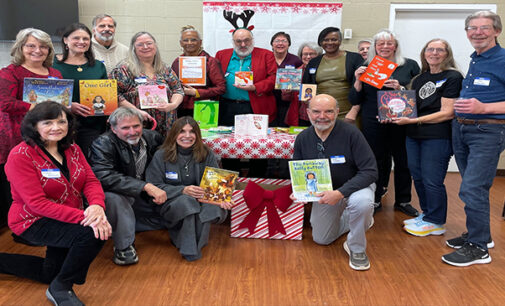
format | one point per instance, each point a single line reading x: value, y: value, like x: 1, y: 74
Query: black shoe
x: 377, y: 207
x: 458, y: 242
x: 64, y: 298
x: 22, y: 240
x: 467, y: 255
x: 407, y: 209
x: 125, y: 257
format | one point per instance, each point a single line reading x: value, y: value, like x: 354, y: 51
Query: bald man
x: 349, y: 206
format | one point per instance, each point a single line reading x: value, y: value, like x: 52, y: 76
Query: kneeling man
x: 349, y: 207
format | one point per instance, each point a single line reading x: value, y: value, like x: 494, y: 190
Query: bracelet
x: 419, y: 122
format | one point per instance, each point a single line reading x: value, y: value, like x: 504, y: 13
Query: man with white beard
x: 106, y: 49
x: 349, y: 206
x: 119, y: 159
x: 257, y: 98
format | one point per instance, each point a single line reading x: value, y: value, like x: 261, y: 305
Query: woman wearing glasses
x: 144, y: 66
x: 333, y: 71
x: 429, y: 146
x: 32, y: 57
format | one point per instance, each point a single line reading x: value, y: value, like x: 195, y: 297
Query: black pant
x: 388, y: 141
x: 70, y: 250
x: 229, y: 108
x: 5, y: 196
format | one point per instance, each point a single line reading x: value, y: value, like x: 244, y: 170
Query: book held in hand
x: 288, y: 78
x: 243, y: 78
x: 36, y: 90
x: 309, y: 178
x: 193, y: 70
x: 378, y: 71
x: 307, y: 91
x: 396, y: 103
x: 99, y: 95
x: 206, y: 113
x: 152, y: 96
x: 218, y: 185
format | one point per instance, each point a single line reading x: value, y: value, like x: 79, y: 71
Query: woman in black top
x: 387, y: 140
x: 429, y: 145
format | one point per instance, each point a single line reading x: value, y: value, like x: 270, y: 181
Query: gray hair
x: 133, y: 63
x: 100, y: 17
x: 17, y: 49
x: 190, y: 28
x: 486, y: 14
x: 386, y: 35
x: 310, y: 45
x: 124, y: 112
x: 366, y: 40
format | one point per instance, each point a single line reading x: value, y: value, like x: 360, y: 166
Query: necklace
x: 79, y: 69
x: 186, y: 166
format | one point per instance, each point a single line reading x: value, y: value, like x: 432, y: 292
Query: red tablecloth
x: 274, y: 145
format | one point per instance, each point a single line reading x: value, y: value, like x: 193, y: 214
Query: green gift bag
x: 206, y: 113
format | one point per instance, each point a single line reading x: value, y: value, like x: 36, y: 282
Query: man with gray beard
x: 349, y: 206
x: 119, y: 159
x: 257, y: 98
x: 106, y: 49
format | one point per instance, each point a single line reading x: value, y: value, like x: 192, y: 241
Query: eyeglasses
x: 485, y: 28
x: 280, y: 41
x: 245, y: 41
x: 432, y: 50
x: 320, y: 150
x: 311, y: 54
x: 34, y: 47
x: 148, y: 44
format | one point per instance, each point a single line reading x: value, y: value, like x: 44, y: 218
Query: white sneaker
x: 413, y: 220
x: 424, y: 228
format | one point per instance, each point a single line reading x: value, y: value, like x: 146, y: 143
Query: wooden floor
x: 405, y: 270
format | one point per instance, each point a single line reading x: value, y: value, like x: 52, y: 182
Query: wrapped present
x: 262, y: 209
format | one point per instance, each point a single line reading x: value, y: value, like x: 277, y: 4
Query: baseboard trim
x: 500, y: 172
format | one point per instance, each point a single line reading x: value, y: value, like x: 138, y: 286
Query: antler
x: 246, y: 17
x: 231, y: 17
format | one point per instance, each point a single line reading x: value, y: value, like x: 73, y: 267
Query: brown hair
x: 169, y: 146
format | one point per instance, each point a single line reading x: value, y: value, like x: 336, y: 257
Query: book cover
x: 37, y: 90
x: 396, y: 103
x: 152, y: 96
x: 295, y: 130
x: 206, y: 113
x: 310, y: 177
x: 193, y: 70
x: 251, y: 125
x: 378, y: 71
x: 307, y: 91
x: 218, y: 185
x: 99, y: 95
x: 244, y: 78
x: 288, y: 78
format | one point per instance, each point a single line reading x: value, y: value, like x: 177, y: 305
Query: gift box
x: 261, y: 210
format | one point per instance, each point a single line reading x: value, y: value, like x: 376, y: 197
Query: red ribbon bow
x: 257, y: 198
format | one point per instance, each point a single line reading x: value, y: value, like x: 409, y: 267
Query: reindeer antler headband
x: 233, y: 18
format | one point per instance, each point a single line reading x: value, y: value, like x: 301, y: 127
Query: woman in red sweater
x: 48, y: 174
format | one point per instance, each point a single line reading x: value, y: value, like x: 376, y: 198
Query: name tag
x: 226, y: 74
x: 171, y: 175
x: 338, y: 159
x: 290, y: 67
x: 140, y: 80
x: 312, y: 70
x: 51, y: 173
x: 481, y: 81
x: 440, y: 83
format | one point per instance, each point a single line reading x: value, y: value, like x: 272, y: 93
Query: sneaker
x: 467, y: 255
x: 457, y: 243
x: 377, y: 206
x: 371, y: 223
x: 64, y: 297
x: 357, y: 261
x: 413, y: 220
x: 125, y: 257
x: 424, y: 228
x: 407, y: 209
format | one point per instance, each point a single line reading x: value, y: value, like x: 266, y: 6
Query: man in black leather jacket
x: 119, y: 158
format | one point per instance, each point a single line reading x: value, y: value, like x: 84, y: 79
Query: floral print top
x: 127, y: 90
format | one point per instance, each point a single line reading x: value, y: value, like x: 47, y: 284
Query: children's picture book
x: 378, y: 71
x: 307, y: 91
x: 396, y: 103
x: 288, y: 78
x: 37, y: 90
x: 152, y: 96
x: 99, y: 95
x: 295, y: 130
x: 310, y: 177
x: 192, y: 70
x: 251, y: 125
x: 206, y: 113
x: 244, y: 78
x: 218, y: 185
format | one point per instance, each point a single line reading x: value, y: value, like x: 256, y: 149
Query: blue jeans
x: 477, y: 148
x: 428, y: 162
